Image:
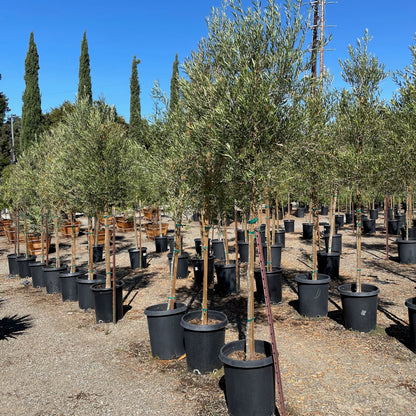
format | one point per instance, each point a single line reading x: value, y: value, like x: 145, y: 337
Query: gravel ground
x: 56, y: 360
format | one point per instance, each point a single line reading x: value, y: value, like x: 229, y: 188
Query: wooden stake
x: 58, y: 258
x: 90, y: 250
x: 227, y: 256
x: 114, y: 268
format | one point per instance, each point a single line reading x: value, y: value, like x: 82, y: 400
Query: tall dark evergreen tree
x: 31, y: 109
x: 84, y: 84
x: 4, y: 138
x: 174, y: 86
x: 135, y: 129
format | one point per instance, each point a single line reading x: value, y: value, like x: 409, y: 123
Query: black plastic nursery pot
x: 198, y: 246
x: 313, y: 294
x: 85, y: 295
x: 359, y: 308
x: 339, y: 220
x: 411, y: 307
x: 407, y: 251
x: 374, y: 214
x: 402, y: 220
x: 218, y: 249
x: 369, y: 226
x: 349, y: 217
x: 324, y: 210
x: 36, y: 270
x: 226, y: 278
x: 289, y: 226
x: 411, y: 233
x: 182, y: 270
x: 249, y: 385
x: 103, y: 302
x: 12, y: 260
x: 274, y: 283
x: 328, y: 263
x: 276, y: 251
x: 172, y: 242
x: 97, y: 253
x: 393, y: 227
x: 243, y: 251
x: 69, y: 285
x: 300, y: 212
x: 241, y: 235
x: 336, y: 243
x: 134, y: 255
x: 198, y: 265
x: 327, y: 228
x: 203, y: 342
x: 23, y: 266
x: 52, y: 280
x: 161, y: 244
x: 279, y: 237
x: 389, y: 213
x: 307, y: 230
x: 165, y: 330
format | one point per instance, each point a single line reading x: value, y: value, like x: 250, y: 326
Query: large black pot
x: 349, y: 217
x: 300, y: 212
x: 279, y: 237
x: 339, y: 220
x: 218, y: 249
x: 243, y: 251
x: 328, y: 263
x: 165, y: 330
x: 411, y: 305
x: 324, y: 210
x: 203, y: 342
x: 407, y: 251
x: 289, y: 226
x: 327, y: 228
x: 36, y: 270
x: 336, y: 243
x: 411, y: 233
x: 23, y: 266
x: 198, y: 246
x: 12, y: 260
x: 134, y: 255
x: 161, y: 244
x: 198, y: 265
x: 373, y: 214
x: 369, y: 226
x: 241, y: 235
x: 182, y: 269
x: 359, y: 308
x: 85, y: 296
x: 103, y: 302
x: 52, y: 280
x: 226, y: 278
x: 313, y: 294
x: 402, y: 220
x: 307, y: 231
x: 172, y: 242
x: 249, y: 385
x: 389, y: 213
x: 393, y: 227
x: 276, y: 250
x: 97, y: 253
x: 69, y: 285
x: 274, y: 283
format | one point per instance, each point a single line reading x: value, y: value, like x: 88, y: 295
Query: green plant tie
x: 359, y: 223
x: 253, y: 221
x: 107, y: 216
x: 358, y: 210
x: 108, y: 273
x: 251, y: 232
x: 266, y: 206
x: 171, y: 297
x: 204, y: 248
x: 269, y: 262
x: 175, y: 250
x: 251, y: 319
x: 90, y: 271
x: 207, y: 228
x: 315, y: 271
x: 358, y: 270
x: 204, y: 310
x: 269, y: 218
x: 227, y: 252
x: 179, y: 225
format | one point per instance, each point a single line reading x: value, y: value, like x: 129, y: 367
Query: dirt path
x: 63, y: 363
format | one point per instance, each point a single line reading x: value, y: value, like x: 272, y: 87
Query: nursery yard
x: 55, y: 360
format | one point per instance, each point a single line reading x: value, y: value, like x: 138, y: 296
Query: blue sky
x: 154, y: 32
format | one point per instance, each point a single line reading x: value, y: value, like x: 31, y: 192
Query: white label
x: 196, y: 269
x: 144, y: 254
x: 363, y: 312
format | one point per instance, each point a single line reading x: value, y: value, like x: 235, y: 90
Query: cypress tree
x: 31, y: 109
x: 84, y: 85
x: 135, y: 108
x: 174, y: 86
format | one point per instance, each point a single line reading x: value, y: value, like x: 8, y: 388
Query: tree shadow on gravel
x: 395, y: 269
x: 12, y: 326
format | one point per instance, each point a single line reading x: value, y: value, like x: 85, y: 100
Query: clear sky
x: 154, y: 31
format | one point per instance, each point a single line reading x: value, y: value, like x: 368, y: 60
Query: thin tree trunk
x: 90, y: 250
x: 273, y: 229
x: 227, y: 256
x: 277, y: 214
x: 47, y: 238
x: 25, y: 232
x: 269, y: 246
x: 17, y: 235
x: 107, y: 247
x: 58, y: 255
x: 74, y: 245
x: 359, y: 216
x: 386, y: 223
x: 174, y: 265
x: 136, y: 235
x: 315, y: 233
x: 114, y: 268
x: 204, y: 315
x: 42, y: 237
x: 160, y: 221
x: 237, y: 268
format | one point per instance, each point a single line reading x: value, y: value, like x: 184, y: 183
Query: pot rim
x: 401, y: 241
x: 160, y: 309
x: 75, y: 274
x: 239, y: 345
x: 411, y: 303
x: 204, y: 328
x: 84, y: 279
x: 305, y: 278
x: 134, y: 250
x: 119, y: 284
x: 30, y: 258
x: 367, y: 290
x: 54, y: 269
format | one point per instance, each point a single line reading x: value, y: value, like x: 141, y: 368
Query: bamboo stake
x: 159, y: 215
x: 136, y: 235
x: 274, y: 228
x: 107, y: 247
x: 58, y: 257
x: 114, y: 268
x: 204, y: 316
x: 140, y: 237
x: 73, y: 267
x: 90, y: 250
x: 237, y: 268
x: 227, y: 256
x: 277, y: 214
x: 25, y: 232
x: 269, y: 246
x: 250, y: 349
x: 386, y: 223
x: 47, y: 238
x: 42, y: 237
x: 17, y: 239
x: 359, y: 216
x: 315, y: 234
